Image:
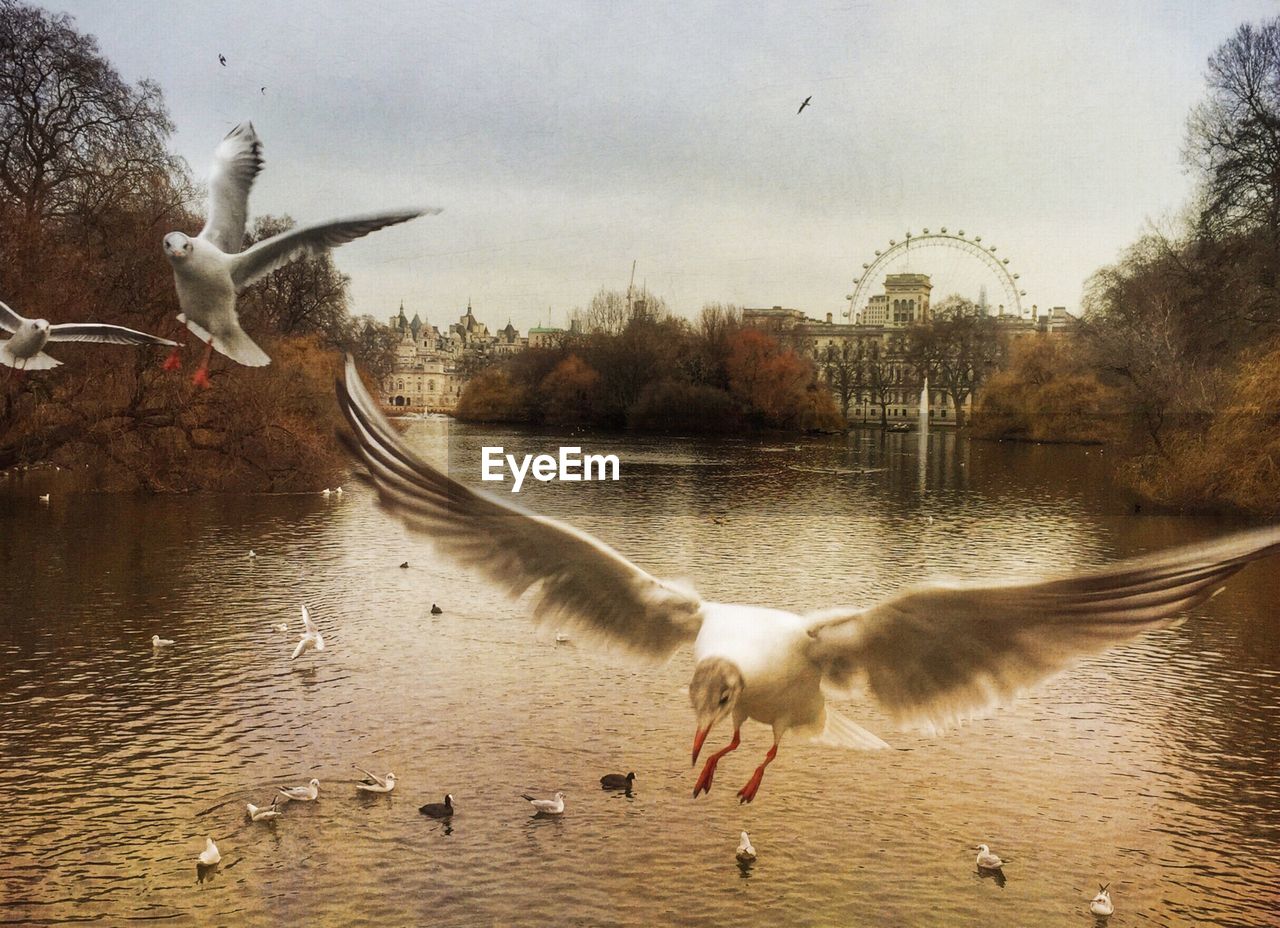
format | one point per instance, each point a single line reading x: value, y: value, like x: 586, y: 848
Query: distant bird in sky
x: 307, y: 793
x: 931, y: 656
x: 547, y: 806
x: 438, y: 809
x: 263, y: 815
x: 211, y: 269
x: 210, y: 855
x: 158, y: 642
x: 222, y: 60
x: 804, y: 104
x: 1101, y: 904
x: 986, y: 860
x: 24, y: 350
x: 311, y: 637
x: 262, y: 90
x: 746, y: 853
x: 375, y: 783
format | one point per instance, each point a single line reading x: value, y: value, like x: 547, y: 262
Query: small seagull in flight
x: 311, y: 637
x: 804, y: 104
x: 263, y: 90
x: 222, y: 60
x: 212, y: 268
x: 24, y: 350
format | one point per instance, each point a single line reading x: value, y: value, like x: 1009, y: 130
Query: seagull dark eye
x: 724, y: 699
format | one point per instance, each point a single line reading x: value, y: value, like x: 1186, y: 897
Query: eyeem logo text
x: 570, y: 465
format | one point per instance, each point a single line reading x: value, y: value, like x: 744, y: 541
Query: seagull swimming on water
x: 375, y: 783
x: 158, y: 642
x: 931, y: 656
x: 986, y: 860
x: 263, y: 815
x: 746, y: 853
x: 44, y: 497
x: 311, y: 637
x: 212, y: 268
x: 307, y: 793
x: 25, y: 349
x: 553, y: 806
x: 1101, y: 904
x: 210, y: 855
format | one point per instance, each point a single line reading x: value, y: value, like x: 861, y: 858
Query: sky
x: 565, y: 140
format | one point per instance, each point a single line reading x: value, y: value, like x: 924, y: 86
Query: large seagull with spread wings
x: 210, y: 270
x: 931, y: 656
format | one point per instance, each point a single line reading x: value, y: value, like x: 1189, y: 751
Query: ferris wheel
x: 923, y: 251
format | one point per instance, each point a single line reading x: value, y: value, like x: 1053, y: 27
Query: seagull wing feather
x: 275, y: 252
x: 236, y: 162
x: 107, y: 334
x: 582, y: 582
x: 9, y: 320
x: 940, y: 653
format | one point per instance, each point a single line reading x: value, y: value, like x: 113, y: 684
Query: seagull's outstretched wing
x: 9, y: 320
x: 941, y: 653
x: 583, y: 582
x: 307, y: 623
x: 373, y: 777
x: 277, y: 251
x: 236, y: 162
x: 297, y: 651
x: 107, y: 334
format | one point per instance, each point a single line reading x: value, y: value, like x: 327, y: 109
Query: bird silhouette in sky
x: 263, y: 90
x: 222, y: 60
x: 804, y: 104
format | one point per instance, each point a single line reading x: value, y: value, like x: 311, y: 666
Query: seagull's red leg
x: 174, y: 361
x: 748, y: 792
x: 201, y: 378
x: 709, y: 769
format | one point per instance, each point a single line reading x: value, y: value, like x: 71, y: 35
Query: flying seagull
x: 311, y: 637
x: 24, y: 350
x: 210, y: 270
x: 222, y: 60
x: 804, y: 104
x: 931, y: 655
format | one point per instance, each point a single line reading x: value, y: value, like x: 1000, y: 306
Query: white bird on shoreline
x: 375, y: 783
x: 281, y: 627
x: 307, y: 793
x: 263, y: 815
x: 211, y: 269
x: 325, y: 492
x: 546, y: 806
x: 311, y: 637
x: 210, y: 855
x: 44, y: 498
x: 158, y: 642
x: 746, y: 853
x: 338, y: 491
x: 986, y: 860
x: 1101, y: 904
x: 931, y: 656
x: 25, y: 350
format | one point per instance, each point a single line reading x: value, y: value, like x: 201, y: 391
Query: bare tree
x: 306, y: 296
x: 957, y: 349
x: 844, y: 371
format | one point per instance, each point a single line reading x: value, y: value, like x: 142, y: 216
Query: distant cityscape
x: 433, y: 364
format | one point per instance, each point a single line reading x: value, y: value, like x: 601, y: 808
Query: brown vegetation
x: 87, y: 191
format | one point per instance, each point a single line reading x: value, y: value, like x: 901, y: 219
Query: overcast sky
x: 565, y: 140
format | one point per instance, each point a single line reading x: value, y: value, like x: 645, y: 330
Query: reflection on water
x: 1153, y: 767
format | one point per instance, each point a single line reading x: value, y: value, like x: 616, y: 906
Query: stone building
x: 880, y: 331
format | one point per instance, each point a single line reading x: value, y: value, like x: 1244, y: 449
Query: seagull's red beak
x: 698, y: 737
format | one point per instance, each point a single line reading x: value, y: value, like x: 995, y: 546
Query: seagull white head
x: 713, y: 692
x: 177, y: 246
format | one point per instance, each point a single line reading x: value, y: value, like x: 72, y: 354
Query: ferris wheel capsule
x: 1005, y: 260
x: 961, y: 233
x: 1016, y: 276
x: 977, y: 238
x: 1022, y: 293
x: 877, y: 255
x: 892, y: 242
x: 944, y: 230
x: 926, y: 231
x: 865, y: 266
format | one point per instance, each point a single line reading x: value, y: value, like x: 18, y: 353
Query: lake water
x: 1155, y: 767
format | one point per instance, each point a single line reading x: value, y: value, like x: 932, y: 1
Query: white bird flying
x: 281, y: 627
x: 1101, y: 904
x: 263, y: 815
x: 746, y: 853
x: 210, y: 855
x: 986, y: 860
x: 25, y: 350
x: 547, y: 806
x: 931, y: 655
x: 301, y: 793
x: 375, y: 783
x: 158, y: 642
x: 311, y: 637
x: 211, y: 269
